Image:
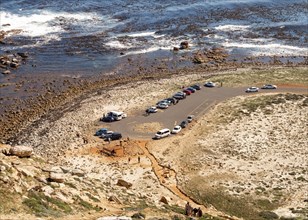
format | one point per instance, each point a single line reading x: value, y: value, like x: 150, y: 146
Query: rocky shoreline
x: 56, y: 96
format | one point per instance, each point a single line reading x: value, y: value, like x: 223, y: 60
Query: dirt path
x: 167, y: 178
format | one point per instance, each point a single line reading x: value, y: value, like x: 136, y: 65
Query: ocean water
x: 90, y: 37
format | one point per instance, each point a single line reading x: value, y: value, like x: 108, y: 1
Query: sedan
x: 269, y: 86
x: 162, y: 105
x: 188, y: 92
x: 176, y: 129
x: 192, y: 89
x: 209, y: 84
x: 196, y: 86
x: 252, y: 89
x: 184, y: 124
x: 151, y: 110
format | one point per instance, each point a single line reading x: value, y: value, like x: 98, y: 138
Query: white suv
x: 162, y: 133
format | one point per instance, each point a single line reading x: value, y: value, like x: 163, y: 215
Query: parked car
x: 176, y: 129
x: 106, y: 134
x: 191, y: 89
x: 162, y: 133
x: 113, y: 136
x: 196, y: 86
x: 117, y: 115
x: 209, y: 84
x: 190, y: 118
x: 151, y: 110
x: 252, y: 89
x: 188, y: 92
x: 269, y: 86
x: 172, y: 100
x: 184, y: 124
x: 101, y: 131
x: 162, y: 105
x: 108, y: 119
x: 179, y: 95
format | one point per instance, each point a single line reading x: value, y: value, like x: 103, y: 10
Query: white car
x: 151, y: 110
x: 176, y: 129
x: 190, y: 118
x: 252, y: 89
x: 269, y: 86
x: 162, y: 133
x: 162, y: 105
x: 209, y: 84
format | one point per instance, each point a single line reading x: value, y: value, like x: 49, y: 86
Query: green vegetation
x: 7, y: 201
x: 86, y: 205
x: 241, y: 206
x: 92, y: 197
x: 278, y: 76
x: 175, y: 208
x: 42, y: 205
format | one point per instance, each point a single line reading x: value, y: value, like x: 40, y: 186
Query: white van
x: 117, y: 115
x: 162, y: 133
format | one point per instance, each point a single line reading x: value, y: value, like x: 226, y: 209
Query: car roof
x: 163, y: 130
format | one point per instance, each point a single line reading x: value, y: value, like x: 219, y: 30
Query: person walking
x: 138, y: 159
x: 128, y: 159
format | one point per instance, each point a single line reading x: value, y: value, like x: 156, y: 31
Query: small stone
x: 57, y: 177
x: 163, y: 199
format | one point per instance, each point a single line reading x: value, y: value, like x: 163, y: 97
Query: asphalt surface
x: 196, y: 104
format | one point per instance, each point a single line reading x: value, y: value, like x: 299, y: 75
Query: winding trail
x: 167, y: 178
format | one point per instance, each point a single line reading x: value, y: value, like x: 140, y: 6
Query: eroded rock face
x: 21, y: 151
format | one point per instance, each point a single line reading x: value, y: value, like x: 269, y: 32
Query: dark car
x: 113, y: 136
x: 184, y: 124
x: 172, y: 100
x: 187, y: 91
x: 196, y: 86
x: 101, y: 131
x: 108, y: 119
x: 193, y: 90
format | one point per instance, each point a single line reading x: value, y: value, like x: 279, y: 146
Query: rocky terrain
x: 243, y: 153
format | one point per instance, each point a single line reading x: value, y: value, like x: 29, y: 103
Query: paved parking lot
x: 196, y: 104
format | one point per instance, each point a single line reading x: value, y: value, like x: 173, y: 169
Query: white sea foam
x: 230, y: 27
x: 115, y: 44
x: 147, y: 50
x: 269, y: 49
x: 43, y: 22
x: 142, y: 34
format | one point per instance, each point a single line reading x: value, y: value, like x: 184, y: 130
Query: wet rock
x: 124, y: 183
x: 163, y: 199
x: 22, y: 54
x: 14, y: 65
x: 184, y: 45
x: 56, y: 177
x: 21, y: 151
x: 6, y: 72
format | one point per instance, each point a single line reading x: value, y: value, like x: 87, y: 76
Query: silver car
x: 252, y: 89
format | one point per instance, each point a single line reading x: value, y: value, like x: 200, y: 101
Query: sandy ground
x: 256, y: 154
x: 261, y: 154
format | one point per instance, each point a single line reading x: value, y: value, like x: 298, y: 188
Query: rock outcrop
x: 21, y: 151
